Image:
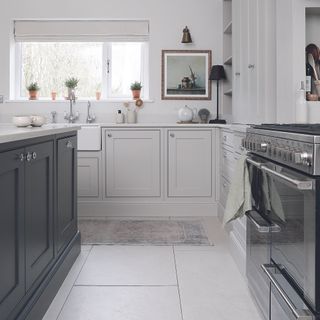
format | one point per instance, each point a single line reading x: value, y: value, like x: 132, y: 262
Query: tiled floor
x: 155, y: 283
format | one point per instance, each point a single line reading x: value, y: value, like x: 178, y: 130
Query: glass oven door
x: 288, y: 199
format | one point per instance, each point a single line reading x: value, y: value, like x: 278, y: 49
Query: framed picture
x: 185, y: 75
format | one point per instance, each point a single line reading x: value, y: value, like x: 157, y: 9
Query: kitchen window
x: 49, y: 52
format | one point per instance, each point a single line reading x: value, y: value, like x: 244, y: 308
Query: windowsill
x: 122, y: 100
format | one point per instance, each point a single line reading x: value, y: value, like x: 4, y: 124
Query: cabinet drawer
x: 227, y: 164
x: 224, y: 191
x: 227, y: 138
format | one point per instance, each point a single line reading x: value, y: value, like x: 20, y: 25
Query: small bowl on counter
x: 21, y: 121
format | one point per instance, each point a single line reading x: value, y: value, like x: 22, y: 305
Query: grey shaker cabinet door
x: 38, y: 210
x: 66, y: 191
x: 12, y: 280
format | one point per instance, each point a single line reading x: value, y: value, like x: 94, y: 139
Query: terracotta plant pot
x: 98, y: 95
x: 33, y: 95
x: 136, y: 94
x: 53, y: 95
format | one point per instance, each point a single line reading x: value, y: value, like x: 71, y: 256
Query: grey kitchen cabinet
x: 190, y: 163
x: 39, y: 240
x: 12, y: 268
x: 132, y: 163
x: 66, y: 191
x: 89, y: 175
x: 38, y: 209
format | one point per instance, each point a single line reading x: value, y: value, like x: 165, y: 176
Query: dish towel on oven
x: 239, y: 197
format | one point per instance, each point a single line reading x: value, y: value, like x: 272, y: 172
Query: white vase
x: 185, y: 114
x: 131, y: 116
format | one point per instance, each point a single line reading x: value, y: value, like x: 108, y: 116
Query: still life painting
x: 185, y: 74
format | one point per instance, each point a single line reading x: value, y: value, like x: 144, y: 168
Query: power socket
x: 1, y: 98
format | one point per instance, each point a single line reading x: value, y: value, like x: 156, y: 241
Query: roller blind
x: 81, y: 30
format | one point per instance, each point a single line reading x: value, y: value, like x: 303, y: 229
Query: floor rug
x: 143, y: 232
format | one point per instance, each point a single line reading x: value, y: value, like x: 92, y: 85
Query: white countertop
x: 10, y: 133
x: 235, y: 127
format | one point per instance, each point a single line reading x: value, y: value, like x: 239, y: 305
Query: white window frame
x: 106, y: 73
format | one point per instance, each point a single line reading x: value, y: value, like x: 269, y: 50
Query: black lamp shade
x: 217, y: 73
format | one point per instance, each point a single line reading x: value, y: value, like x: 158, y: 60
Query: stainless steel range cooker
x: 283, y: 237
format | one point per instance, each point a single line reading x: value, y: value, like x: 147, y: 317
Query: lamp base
x: 218, y: 121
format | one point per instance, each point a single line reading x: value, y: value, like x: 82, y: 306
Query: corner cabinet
x: 30, y: 216
x: 189, y: 163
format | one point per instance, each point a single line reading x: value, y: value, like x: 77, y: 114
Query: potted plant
x: 98, y: 92
x: 53, y: 95
x: 33, y: 89
x: 71, y: 83
x: 136, y: 89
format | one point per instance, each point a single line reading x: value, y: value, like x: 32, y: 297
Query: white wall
x: 167, y: 19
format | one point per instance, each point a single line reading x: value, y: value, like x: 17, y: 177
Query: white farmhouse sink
x: 89, y: 137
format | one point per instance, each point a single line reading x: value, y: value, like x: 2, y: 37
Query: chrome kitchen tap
x: 90, y: 116
x: 71, y: 116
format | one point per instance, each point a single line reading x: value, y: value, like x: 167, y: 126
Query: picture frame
x: 185, y: 74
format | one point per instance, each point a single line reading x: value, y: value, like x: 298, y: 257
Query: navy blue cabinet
x: 12, y: 277
x: 39, y: 238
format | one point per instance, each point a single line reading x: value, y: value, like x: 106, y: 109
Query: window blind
x: 81, y: 30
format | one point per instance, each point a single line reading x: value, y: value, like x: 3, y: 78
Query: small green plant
x: 71, y: 83
x: 33, y: 86
x: 136, y: 85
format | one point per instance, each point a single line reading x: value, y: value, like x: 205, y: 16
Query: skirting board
x: 108, y: 209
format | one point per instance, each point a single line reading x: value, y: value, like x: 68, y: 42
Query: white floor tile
x: 129, y: 265
x: 60, y: 298
x: 122, y: 303
x: 211, y: 287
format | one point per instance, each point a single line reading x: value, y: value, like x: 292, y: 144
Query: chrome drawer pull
x: 29, y: 156
x: 172, y: 135
x: 298, y: 314
x: 69, y: 144
x: 260, y: 228
x: 21, y: 157
x: 109, y: 135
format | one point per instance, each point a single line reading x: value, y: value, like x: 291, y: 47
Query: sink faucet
x: 71, y: 116
x: 90, y: 116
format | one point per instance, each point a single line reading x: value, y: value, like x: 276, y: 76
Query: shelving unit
x: 227, y: 56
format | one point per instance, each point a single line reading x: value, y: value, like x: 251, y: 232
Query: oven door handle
x: 298, y: 314
x: 254, y: 163
x: 262, y: 229
x: 299, y: 184
x: 259, y: 227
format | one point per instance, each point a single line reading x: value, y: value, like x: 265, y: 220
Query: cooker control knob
x: 303, y: 158
x: 262, y: 147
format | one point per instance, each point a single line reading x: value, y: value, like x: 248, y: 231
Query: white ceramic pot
x: 185, y: 114
x: 21, y: 121
x: 38, y: 121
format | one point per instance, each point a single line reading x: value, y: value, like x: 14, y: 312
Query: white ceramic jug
x: 185, y: 114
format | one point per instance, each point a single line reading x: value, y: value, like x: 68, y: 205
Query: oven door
x: 288, y: 199
x: 285, y: 303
